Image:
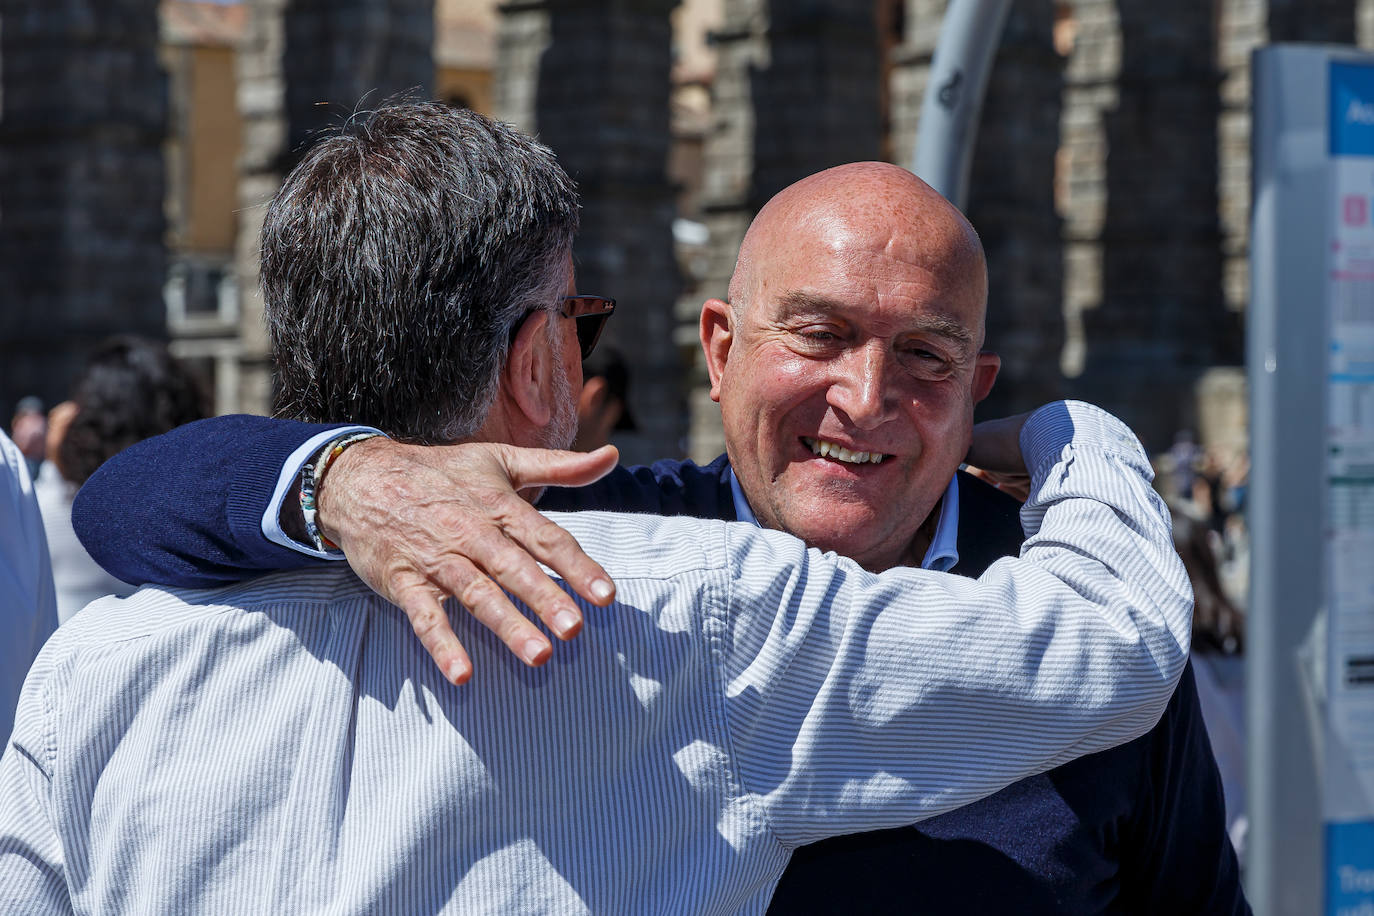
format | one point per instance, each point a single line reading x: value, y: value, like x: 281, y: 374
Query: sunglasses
x: 591, y: 313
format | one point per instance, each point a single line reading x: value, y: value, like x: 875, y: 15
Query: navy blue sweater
x: 1138, y: 829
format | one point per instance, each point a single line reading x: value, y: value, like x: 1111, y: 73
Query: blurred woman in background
x: 130, y: 390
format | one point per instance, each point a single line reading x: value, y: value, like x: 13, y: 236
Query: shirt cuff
x: 1062, y: 425
x: 287, y: 488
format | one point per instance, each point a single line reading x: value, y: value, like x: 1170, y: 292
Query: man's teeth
x: 840, y: 453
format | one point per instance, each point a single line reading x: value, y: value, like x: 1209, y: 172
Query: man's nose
x: 862, y: 387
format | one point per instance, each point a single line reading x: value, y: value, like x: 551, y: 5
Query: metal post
x: 1287, y: 431
x: 959, y: 72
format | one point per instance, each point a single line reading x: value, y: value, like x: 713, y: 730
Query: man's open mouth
x: 838, y: 452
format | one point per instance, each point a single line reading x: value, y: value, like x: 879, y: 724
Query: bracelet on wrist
x: 312, y: 475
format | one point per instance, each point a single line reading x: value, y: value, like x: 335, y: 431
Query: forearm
x: 949, y: 689
x: 186, y: 508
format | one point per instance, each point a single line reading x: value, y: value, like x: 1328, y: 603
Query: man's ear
x: 593, y: 397
x: 717, y: 334
x: 528, y: 376
x: 985, y: 370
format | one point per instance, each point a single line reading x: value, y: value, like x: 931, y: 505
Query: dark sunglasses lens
x: 589, y: 331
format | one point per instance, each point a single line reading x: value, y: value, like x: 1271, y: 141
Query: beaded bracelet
x: 310, y: 482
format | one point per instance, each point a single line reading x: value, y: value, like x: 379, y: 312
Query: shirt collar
x: 943, y: 551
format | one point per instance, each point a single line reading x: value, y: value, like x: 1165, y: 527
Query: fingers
x: 508, y: 553
x: 541, y: 467
x: 1016, y: 486
x: 421, y: 523
x: 546, y: 541
x: 422, y: 606
x: 486, y: 602
x: 996, y: 445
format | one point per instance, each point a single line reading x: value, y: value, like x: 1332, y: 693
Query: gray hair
x: 396, y: 259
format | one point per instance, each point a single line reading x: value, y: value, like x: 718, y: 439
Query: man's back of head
x: 396, y: 258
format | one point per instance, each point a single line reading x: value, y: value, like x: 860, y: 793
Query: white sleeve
x: 33, y: 870
x: 28, y: 603
x: 857, y: 701
x: 286, y: 486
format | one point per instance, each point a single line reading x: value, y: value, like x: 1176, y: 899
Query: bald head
x: 861, y: 204
x: 848, y: 359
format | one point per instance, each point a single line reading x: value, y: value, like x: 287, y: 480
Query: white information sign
x: 1348, y: 792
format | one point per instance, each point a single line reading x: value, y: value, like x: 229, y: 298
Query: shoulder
x: 13, y: 459
x: 113, y: 625
x: 17, y: 498
x: 129, y: 644
x: 647, y: 546
x: 666, y: 547
x: 26, y: 590
x: 122, y: 661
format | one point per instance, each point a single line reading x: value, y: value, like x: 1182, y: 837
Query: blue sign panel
x: 1348, y: 783
x: 1349, y: 872
x: 1352, y: 110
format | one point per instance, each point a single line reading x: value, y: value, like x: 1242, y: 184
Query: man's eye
x: 818, y: 335
x: 926, y: 362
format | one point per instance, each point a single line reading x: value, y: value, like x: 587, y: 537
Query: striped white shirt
x: 286, y: 745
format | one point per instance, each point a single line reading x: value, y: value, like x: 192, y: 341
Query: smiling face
x: 847, y: 364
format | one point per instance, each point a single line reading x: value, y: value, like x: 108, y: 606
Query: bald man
x: 847, y: 363
x: 854, y: 328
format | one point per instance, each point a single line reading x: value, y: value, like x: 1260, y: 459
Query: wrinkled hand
x: 994, y: 456
x: 419, y: 523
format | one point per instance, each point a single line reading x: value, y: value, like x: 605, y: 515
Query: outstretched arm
x: 200, y: 506
x: 904, y: 694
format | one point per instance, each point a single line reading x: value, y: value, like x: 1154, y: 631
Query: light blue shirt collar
x: 943, y: 551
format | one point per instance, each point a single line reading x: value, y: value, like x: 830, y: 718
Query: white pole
x: 954, y: 96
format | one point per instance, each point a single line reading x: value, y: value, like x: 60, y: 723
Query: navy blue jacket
x: 1138, y: 829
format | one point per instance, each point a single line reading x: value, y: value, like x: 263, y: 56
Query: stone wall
x: 82, y: 119
x: 1160, y: 314
x: 304, y: 65
x: 1110, y: 184
x: 590, y: 79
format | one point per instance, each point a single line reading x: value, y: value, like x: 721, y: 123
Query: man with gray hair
x: 284, y: 745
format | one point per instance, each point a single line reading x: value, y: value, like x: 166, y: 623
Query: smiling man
x: 848, y: 361
x: 847, y: 364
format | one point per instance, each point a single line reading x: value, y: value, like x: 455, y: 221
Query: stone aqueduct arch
x: 1101, y: 129
x: 83, y: 109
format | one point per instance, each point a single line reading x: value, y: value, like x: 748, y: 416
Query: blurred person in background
x: 603, y: 407
x: 130, y: 390
x: 1182, y: 459
x: 1218, y: 663
x: 29, y: 430
x: 28, y: 612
